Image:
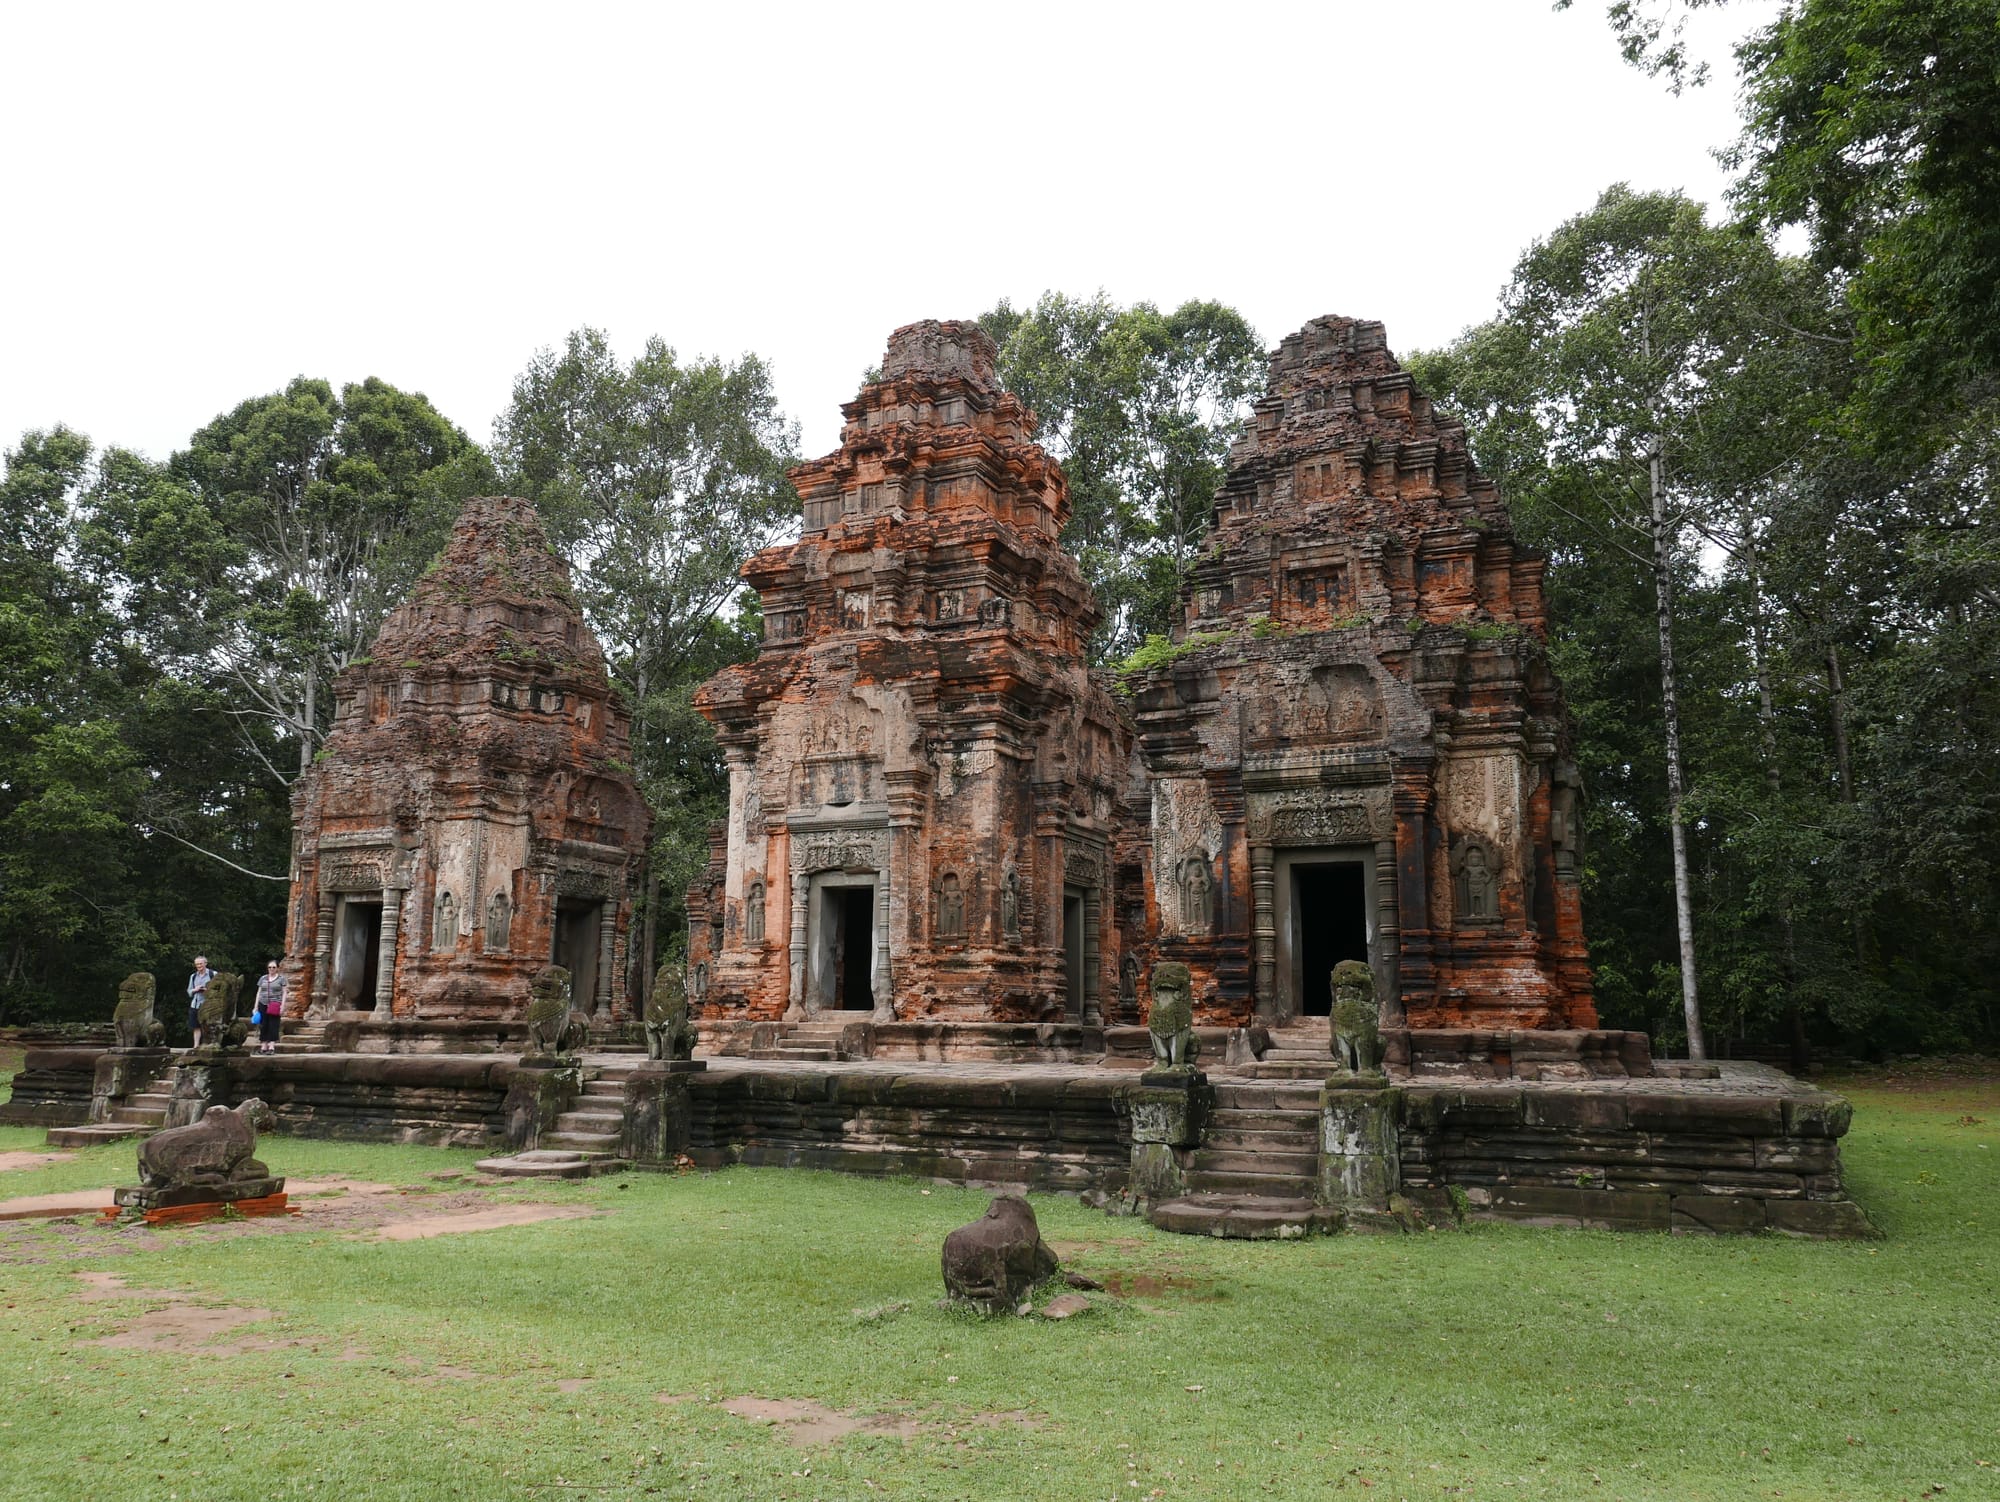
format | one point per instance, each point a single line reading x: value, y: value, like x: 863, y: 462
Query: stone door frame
x: 1285, y: 1003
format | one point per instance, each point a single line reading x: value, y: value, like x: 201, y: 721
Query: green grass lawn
x: 533, y: 1361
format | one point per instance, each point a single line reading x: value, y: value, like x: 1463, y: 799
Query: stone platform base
x: 189, y: 1202
x: 96, y: 1132
x: 551, y: 1164
x: 1243, y: 1217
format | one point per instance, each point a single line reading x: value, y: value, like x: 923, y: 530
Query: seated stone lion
x: 218, y: 1149
x: 1357, y: 1031
x: 552, y: 1027
x: 133, y: 1017
x: 669, y: 1033
x: 1171, y: 1020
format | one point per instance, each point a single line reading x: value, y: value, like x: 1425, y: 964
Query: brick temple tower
x: 473, y: 814
x: 1360, y: 753
x: 924, y: 777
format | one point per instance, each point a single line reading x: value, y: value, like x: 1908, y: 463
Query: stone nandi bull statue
x: 1171, y: 1020
x: 670, y: 1035
x: 216, y: 1150
x: 133, y: 1017
x: 552, y: 1027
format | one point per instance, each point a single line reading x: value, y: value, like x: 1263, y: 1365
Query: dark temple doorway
x: 1073, y: 976
x: 576, y: 948
x: 1330, y: 918
x: 853, y: 912
x: 357, y: 955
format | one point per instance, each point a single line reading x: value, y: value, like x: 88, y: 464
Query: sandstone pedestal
x: 1360, y: 1145
x: 658, y: 1111
x: 539, y: 1089
x: 119, y: 1073
x: 1169, y: 1110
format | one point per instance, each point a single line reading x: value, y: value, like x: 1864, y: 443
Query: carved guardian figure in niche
x: 1128, y: 986
x: 1010, y: 905
x: 499, y: 924
x: 753, y: 915
x: 444, y: 921
x: 1476, y: 884
x: 951, y: 907
x: 1197, y: 896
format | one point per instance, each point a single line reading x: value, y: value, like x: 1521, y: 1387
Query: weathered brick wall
x: 52, y: 1087
x: 1039, y: 1132
x: 1625, y: 1159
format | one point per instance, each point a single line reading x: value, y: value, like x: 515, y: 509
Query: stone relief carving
x: 1081, y: 866
x: 1302, y: 818
x: 951, y: 907
x: 1197, y: 895
x: 499, y: 924
x: 841, y: 850
x: 444, y: 921
x: 351, y: 876
x: 1475, y: 882
x: 1010, y: 904
x: 753, y: 915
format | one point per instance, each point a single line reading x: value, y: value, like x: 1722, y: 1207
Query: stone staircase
x: 805, y: 1042
x: 140, y: 1114
x: 1254, y: 1175
x: 296, y: 1037
x: 597, y: 1125
x: 1301, y: 1050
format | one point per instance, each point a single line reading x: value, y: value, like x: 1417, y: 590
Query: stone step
x: 606, y: 1090
x: 545, y: 1163
x: 1317, y: 1068
x: 1276, y: 1055
x: 96, y: 1132
x: 145, y: 1116
x: 1242, y: 1217
x: 581, y: 1142
x: 1219, y: 1158
x: 599, y: 1122
x: 151, y: 1100
x: 1267, y: 1185
x: 794, y: 1054
x: 1265, y: 1095
x: 1287, y: 1139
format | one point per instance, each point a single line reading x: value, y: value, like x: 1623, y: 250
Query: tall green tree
x: 329, y: 506
x: 658, y: 478
x: 1140, y: 406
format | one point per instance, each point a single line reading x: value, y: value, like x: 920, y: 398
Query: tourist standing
x: 270, y: 1008
x: 197, y: 993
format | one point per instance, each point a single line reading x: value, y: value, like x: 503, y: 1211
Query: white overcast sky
x: 202, y: 201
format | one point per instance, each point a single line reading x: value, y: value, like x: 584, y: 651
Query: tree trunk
x: 1767, y: 734
x: 307, y: 718
x: 1663, y: 584
x: 1837, y: 705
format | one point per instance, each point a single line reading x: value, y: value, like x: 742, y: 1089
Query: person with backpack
x: 197, y: 993
x: 270, y: 1008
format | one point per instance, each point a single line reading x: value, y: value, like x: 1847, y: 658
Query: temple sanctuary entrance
x: 1073, y: 953
x: 575, y: 949
x: 357, y: 953
x: 1328, y: 915
x: 843, y: 943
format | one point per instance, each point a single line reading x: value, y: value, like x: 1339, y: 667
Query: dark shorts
x: 267, y: 1030
x: 194, y: 1015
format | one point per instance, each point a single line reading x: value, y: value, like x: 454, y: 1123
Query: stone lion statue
x: 133, y: 1017
x: 669, y: 1033
x: 1357, y: 1032
x: 552, y: 1027
x: 220, y: 1025
x: 1171, y: 1020
x: 219, y: 1149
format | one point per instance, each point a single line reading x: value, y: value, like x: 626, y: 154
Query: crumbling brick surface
x: 1362, y: 678
x: 920, y: 761
x: 474, y: 795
